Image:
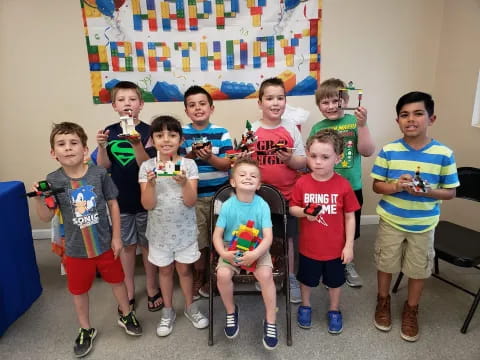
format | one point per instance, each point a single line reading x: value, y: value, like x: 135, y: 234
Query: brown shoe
x: 409, y: 323
x: 383, y: 317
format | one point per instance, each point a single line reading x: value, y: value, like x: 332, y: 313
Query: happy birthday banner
x: 227, y: 46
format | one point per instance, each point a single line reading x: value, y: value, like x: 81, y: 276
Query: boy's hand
x: 34, y: 188
x: 361, y: 115
x: 180, y: 179
x: 117, y: 246
x: 403, y: 182
x: 248, y: 258
x: 230, y: 257
x: 204, y: 153
x: 285, y: 155
x: 102, y: 138
x: 347, y: 254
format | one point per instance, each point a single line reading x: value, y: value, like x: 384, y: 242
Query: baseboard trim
x: 43, y: 234
x: 369, y: 220
x: 47, y: 233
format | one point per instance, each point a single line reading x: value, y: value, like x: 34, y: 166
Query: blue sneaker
x: 335, y: 323
x: 304, y: 317
x: 231, y: 324
x: 270, y: 335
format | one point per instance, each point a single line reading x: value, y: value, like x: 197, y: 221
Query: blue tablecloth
x: 19, y: 278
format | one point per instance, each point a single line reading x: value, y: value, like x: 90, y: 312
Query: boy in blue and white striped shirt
x: 207, y: 144
x: 408, y: 215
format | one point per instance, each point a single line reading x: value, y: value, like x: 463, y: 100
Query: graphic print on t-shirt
x: 122, y: 151
x: 328, y: 202
x: 83, y: 200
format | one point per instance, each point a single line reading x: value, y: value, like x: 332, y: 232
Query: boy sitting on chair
x: 241, y: 208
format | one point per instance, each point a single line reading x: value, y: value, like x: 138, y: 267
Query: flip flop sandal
x: 131, y: 302
x: 152, y: 299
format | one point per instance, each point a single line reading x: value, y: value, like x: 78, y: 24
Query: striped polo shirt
x: 210, y: 179
x: 437, y: 166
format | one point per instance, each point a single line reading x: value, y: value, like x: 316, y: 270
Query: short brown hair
x: 68, y: 128
x: 270, y: 82
x: 125, y: 85
x: 330, y: 88
x: 327, y: 136
x: 244, y: 161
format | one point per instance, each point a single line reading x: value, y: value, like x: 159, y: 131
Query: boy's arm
x: 347, y: 252
x: 102, y: 155
x: 43, y: 212
x: 219, y: 163
x: 438, y: 194
x: 297, y: 211
x: 293, y: 161
x: 388, y: 188
x: 115, y: 217
x: 365, y: 143
x: 220, y: 248
x: 139, y: 151
x: 148, y: 196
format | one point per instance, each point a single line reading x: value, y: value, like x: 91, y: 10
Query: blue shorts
x: 310, y: 272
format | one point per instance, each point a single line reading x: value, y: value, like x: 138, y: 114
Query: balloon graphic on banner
x: 118, y: 4
x: 106, y: 7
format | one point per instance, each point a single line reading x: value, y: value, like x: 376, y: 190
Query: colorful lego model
x: 418, y: 184
x: 128, y: 127
x: 351, y: 87
x: 200, y: 143
x: 280, y: 147
x: 246, y: 144
x: 312, y: 209
x: 245, y: 238
x: 46, y: 193
x: 167, y: 168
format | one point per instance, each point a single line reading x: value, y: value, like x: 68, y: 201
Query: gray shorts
x: 133, y: 228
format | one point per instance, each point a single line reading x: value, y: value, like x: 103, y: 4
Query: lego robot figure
x: 245, y: 238
x: 418, y: 184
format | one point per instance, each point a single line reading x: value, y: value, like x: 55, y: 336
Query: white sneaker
x: 165, y: 326
x: 196, y: 317
x: 257, y: 286
x: 351, y: 276
x: 295, y: 295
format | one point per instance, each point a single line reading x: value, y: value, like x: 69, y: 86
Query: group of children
x: 169, y: 216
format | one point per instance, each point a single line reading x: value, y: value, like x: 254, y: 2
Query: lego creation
x: 200, y: 143
x: 312, y: 209
x: 246, y: 144
x: 351, y: 87
x: 128, y: 127
x: 245, y: 238
x: 418, y: 184
x: 46, y: 193
x: 167, y: 168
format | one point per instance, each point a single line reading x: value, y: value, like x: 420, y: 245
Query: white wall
x: 387, y: 47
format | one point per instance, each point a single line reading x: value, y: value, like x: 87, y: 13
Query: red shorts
x: 81, y: 271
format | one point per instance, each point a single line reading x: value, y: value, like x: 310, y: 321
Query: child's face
x: 167, y: 142
x: 246, y: 177
x: 329, y: 107
x: 198, y: 109
x: 68, y: 150
x: 321, y: 159
x: 413, y: 120
x: 273, y: 103
x: 125, y: 100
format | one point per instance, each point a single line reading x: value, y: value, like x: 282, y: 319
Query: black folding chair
x: 457, y: 244
x: 278, y: 251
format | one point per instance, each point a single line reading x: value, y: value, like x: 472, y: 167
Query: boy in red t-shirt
x: 326, y: 233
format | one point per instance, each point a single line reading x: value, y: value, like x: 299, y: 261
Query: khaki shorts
x: 410, y: 253
x: 202, y: 209
x: 264, y: 260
